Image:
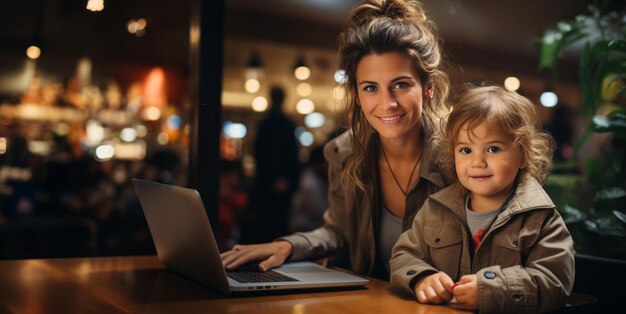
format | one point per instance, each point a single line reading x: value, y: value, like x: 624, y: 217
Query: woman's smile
x: 392, y: 119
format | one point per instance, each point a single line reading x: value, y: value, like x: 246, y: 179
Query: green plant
x: 602, y: 75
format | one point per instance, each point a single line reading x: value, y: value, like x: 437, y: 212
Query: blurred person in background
x: 277, y: 172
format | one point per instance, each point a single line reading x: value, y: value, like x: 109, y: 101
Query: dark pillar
x: 206, y: 46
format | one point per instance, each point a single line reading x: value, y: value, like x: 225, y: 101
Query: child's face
x: 486, y: 164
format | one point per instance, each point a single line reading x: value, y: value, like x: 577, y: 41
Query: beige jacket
x: 352, y: 218
x: 525, y: 263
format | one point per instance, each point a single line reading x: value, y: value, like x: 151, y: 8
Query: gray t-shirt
x: 480, y: 220
x: 390, y: 230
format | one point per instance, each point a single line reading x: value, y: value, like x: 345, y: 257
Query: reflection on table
x: 141, y: 284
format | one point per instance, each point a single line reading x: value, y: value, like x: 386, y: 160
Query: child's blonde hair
x: 515, y: 114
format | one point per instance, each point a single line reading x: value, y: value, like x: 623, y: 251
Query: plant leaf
x: 572, y: 215
x: 611, y: 193
x: 608, y: 225
x: 620, y: 216
x: 586, y: 80
x: 610, y: 123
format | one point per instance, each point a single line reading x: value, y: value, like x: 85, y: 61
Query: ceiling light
x: 33, y: 52
x: 254, y: 67
x: 305, y: 106
x: 304, y: 89
x: 259, y: 104
x: 512, y: 83
x: 548, y: 99
x: 252, y: 85
x: 95, y: 5
x: 300, y: 70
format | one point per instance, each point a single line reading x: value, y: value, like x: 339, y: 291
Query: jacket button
x: 515, y: 243
x: 517, y: 297
x: 437, y: 240
x: 490, y: 275
x: 411, y: 272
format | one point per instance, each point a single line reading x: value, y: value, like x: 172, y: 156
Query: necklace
x: 404, y: 191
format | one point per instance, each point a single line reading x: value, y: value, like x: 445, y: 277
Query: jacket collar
x: 528, y: 195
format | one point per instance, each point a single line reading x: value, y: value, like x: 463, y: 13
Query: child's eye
x: 401, y: 85
x: 465, y: 150
x: 493, y: 149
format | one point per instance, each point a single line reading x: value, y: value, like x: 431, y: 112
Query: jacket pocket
x: 512, y: 243
x: 445, y: 244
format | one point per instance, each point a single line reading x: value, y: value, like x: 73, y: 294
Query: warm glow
x: 41, y: 148
x: 95, y: 132
x: 33, y: 52
x: 62, y: 128
x: 151, y: 113
x: 141, y: 23
x: 305, y: 106
x: 512, y: 83
x: 154, y: 88
x: 162, y: 138
x: 339, y: 93
x: 252, y: 86
x: 95, y: 5
x: 130, y: 151
x: 128, y: 134
x: 105, y: 152
x: 302, y: 73
x: 304, y: 89
x: 3, y: 145
x: 83, y: 72
x: 259, y: 104
x: 142, y: 131
x: 131, y: 26
x: 137, y: 27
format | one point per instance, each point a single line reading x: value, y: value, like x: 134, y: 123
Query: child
x: 496, y: 232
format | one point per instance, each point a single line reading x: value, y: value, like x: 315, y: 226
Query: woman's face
x: 390, y: 94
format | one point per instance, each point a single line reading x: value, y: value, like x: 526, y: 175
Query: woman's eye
x: 493, y: 149
x: 465, y: 150
x: 370, y: 88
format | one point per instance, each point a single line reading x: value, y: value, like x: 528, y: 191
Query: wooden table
x: 140, y: 284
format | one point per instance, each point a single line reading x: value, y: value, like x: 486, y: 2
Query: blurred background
x: 94, y: 93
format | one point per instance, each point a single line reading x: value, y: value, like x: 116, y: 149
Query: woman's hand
x: 466, y: 293
x: 436, y: 288
x: 271, y: 255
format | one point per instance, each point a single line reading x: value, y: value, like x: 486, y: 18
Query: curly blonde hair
x: 376, y: 27
x: 514, y: 113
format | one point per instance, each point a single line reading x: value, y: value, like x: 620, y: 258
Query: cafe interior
x: 95, y: 93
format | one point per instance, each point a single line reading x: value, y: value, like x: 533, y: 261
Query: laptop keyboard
x: 246, y: 276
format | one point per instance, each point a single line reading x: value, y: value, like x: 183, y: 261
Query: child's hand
x: 466, y: 293
x: 436, y: 288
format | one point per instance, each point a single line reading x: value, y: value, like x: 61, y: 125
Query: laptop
x: 186, y: 245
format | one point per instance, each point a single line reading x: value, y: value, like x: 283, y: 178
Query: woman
x: 383, y: 168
